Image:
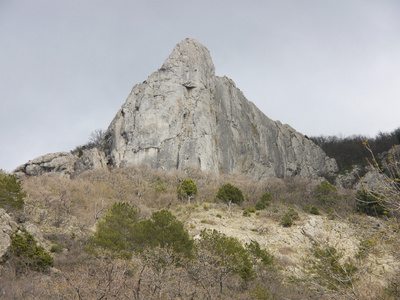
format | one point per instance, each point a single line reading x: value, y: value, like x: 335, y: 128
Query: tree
x: 230, y: 193
x: 162, y: 230
x: 120, y: 233
x: 187, y: 189
x: 114, y: 231
x: 24, y: 247
x: 11, y: 192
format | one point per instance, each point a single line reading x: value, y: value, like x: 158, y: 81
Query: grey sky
x: 66, y: 67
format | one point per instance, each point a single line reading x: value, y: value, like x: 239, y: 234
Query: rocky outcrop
x: 7, y: 227
x: 185, y: 116
x: 63, y: 163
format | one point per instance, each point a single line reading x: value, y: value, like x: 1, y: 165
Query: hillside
x: 61, y: 214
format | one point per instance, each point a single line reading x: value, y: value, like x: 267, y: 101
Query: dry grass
x: 67, y: 210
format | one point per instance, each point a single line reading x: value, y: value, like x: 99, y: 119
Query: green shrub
x: 314, y: 210
x: 228, y: 192
x: 24, y: 247
x: 329, y: 271
x: 120, y: 233
x: 163, y: 230
x: 230, y: 252
x: 292, y: 213
x: 251, y: 209
x: 11, y: 192
x: 286, y: 221
x: 369, y: 204
x: 218, y: 216
x: 246, y: 213
x: 266, y: 198
x: 114, y: 231
x: 56, y: 249
x: 260, y: 205
x: 159, y: 185
x: 258, y: 253
x: 188, y: 189
x: 326, y: 193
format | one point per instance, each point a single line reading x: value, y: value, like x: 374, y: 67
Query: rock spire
x: 185, y: 116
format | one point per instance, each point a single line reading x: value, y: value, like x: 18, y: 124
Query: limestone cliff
x: 183, y: 115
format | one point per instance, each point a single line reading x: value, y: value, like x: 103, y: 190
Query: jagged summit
x: 191, y: 62
x: 185, y: 116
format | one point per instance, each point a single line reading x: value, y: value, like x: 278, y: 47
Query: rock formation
x: 183, y: 115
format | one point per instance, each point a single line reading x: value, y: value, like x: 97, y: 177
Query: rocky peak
x: 190, y: 63
x: 185, y: 116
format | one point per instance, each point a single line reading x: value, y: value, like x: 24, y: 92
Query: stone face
x: 184, y: 115
x: 7, y: 227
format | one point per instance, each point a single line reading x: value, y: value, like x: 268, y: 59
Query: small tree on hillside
x: 187, y: 189
x: 11, y: 192
x: 229, y: 193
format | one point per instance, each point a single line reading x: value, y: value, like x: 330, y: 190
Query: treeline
x: 349, y: 151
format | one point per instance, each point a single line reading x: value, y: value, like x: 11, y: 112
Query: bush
x: 260, y: 205
x: 369, y: 204
x: 286, y: 221
x: 114, y: 231
x: 246, y: 213
x: 312, y: 210
x: 24, y: 247
x: 292, y: 213
x: 187, y: 189
x: 326, y: 193
x: 11, y: 192
x: 120, y: 233
x: 228, y: 192
x: 266, y: 198
x: 232, y: 255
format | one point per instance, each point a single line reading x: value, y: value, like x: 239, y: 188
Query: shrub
x: 286, y: 221
x: 11, y: 192
x: 326, y: 193
x: 114, y: 230
x: 251, y: 209
x: 246, y: 213
x: 232, y: 255
x: 187, y: 189
x: 266, y: 198
x: 56, y: 249
x: 329, y: 271
x: 314, y: 210
x: 292, y: 213
x: 120, y: 233
x: 369, y: 204
x: 228, y: 192
x: 258, y: 253
x: 163, y: 230
x: 260, y: 205
x: 24, y: 247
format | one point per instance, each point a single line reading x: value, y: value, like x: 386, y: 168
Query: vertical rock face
x: 184, y: 115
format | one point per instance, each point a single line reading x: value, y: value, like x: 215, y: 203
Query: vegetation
x: 28, y: 254
x: 230, y: 193
x: 11, y: 192
x: 326, y: 194
x: 141, y: 250
x: 349, y: 151
x: 187, y: 189
x: 369, y: 204
x: 120, y: 233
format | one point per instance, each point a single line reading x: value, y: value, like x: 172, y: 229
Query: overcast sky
x: 324, y: 67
